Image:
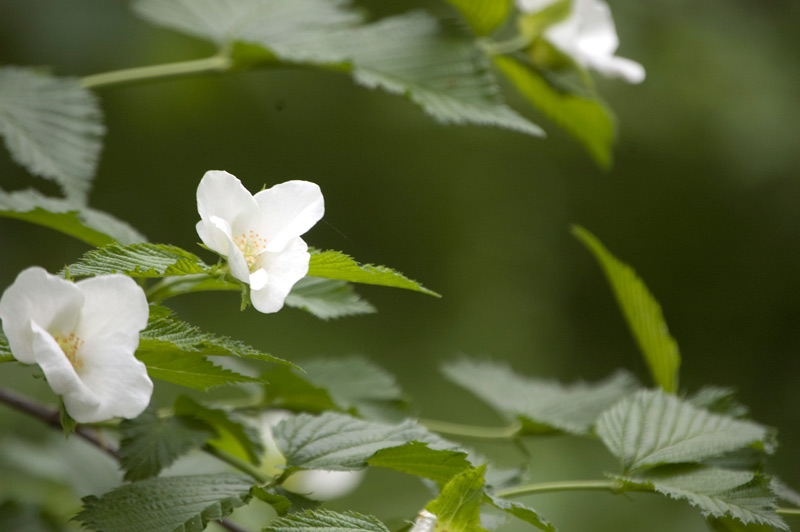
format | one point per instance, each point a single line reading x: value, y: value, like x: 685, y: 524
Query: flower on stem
x: 259, y: 234
x: 589, y: 36
x: 83, y: 336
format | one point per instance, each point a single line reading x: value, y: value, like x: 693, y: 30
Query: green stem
x: 472, y: 431
x: 216, y: 63
x: 788, y: 511
x: 567, y: 485
x: 243, y: 466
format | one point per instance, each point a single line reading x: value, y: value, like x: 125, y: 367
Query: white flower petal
x: 236, y: 260
x: 619, y: 67
x: 61, y: 376
x: 258, y: 279
x: 114, y: 306
x: 284, y: 270
x: 288, y: 210
x: 320, y: 485
x: 213, y: 236
x: 35, y: 295
x: 223, y: 195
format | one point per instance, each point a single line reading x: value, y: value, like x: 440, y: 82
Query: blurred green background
x: 703, y: 200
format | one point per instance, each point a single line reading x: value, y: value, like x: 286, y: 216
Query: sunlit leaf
x: 653, y: 428
x: 139, y: 260
x: 642, y: 313
x: 327, y: 298
x: 166, y: 504
x: 52, y: 126
x: 458, y: 506
x: 542, y: 405
x: 68, y: 216
x: 483, y: 16
x: 326, y: 521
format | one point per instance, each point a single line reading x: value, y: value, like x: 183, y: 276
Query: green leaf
x: 483, y: 16
x: 719, y: 400
x: 338, y: 442
x: 440, y: 69
x: 653, y: 428
x: 728, y: 524
x: 784, y: 492
x: 326, y: 521
x: 418, y: 459
x: 327, y: 298
x: 166, y: 333
x: 26, y: 518
x: 641, y: 311
x: 166, y: 504
x: 187, y: 284
x: 139, y: 260
x: 234, y: 437
x: 52, y: 126
x: 68, y: 425
x: 279, y: 503
x: 521, y: 511
x: 68, y: 216
x: 150, y: 443
x: 584, y: 117
x: 458, y: 506
x: 337, y: 265
x: 291, y: 391
x: 542, y: 405
x: 718, y: 493
x: 5, y: 349
x: 191, y: 370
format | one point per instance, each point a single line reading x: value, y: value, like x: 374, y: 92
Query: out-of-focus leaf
x: 483, y: 16
x: 521, y: 511
x: 52, y: 126
x: 5, y: 349
x: 327, y: 298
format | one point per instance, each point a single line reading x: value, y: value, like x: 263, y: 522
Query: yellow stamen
x: 70, y: 345
x: 250, y: 244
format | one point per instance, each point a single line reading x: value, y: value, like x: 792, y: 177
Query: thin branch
x: 568, y: 485
x: 795, y: 512
x: 245, y: 467
x: 215, y: 63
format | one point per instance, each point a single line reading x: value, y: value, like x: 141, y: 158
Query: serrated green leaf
x: 139, y: 260
x: 716, y: 492
x: 165, y: 504
x: 784, y: 492
x: 337, y: 265
x: 521, y: 511
x: 458, y: 506
x: 338, y: 442
x: 167, y: 334
x: 418, y: 459
x: 587, y: 119
x: 642, y: 313
x: 719, y: 400
x: 52, y: 126
x: 187, y: 284
x: 439, y: 69
x: 542, y: 405
x: 653, y: 428
x: 5, y: 349
x: 483, y: 16
x: 191, y: 370
x: 326, y: 521
x: 288, y: 390
x: 150, y: 443
x: 279, y: 503
x: 233, y: 436
x: 67, y: 216
x: 327, y: 298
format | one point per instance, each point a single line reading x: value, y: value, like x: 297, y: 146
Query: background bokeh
x: 702, y: 200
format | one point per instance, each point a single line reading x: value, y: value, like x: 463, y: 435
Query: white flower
x: 315, y: 484
x: 260, y: 235
x: 83, y: 336
x: 588, y: 36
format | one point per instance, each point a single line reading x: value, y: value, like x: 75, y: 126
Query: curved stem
x: 243, y: 466
x: 567, y: 485
x: 788, y: 511
x: 472, y: 431
x: 215, y: 63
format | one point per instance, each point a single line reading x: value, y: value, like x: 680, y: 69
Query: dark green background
x: 702, y: 200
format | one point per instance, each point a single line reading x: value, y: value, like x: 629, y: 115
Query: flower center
x: 250, y: 244
x: 70, y: 345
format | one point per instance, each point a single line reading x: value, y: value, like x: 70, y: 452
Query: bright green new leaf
x: 542, y: 405
x: 458, y: 506
x: 653, y: 428
x: 139, y: 260
x: 234, y: 437
x: 483, y: 16
x: 520, y: 511
x: 192, y: 370
x: 52, y: 126
x: 641, y: 311
x: 69, y: 216
x: 586, y: 118
x: 327, y: 298
x: 337, y: 265
x: 326, y: 521
x: 418, y: 459
x: 166, y: 504
x: 338, y: 442
x: 150, y: 443
x: 718, y: 493
x: 166, y: 334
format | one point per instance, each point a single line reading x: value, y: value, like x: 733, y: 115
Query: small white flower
x: 259, y: 234
x: 589, y: 36
x: 315, y: 484
x: 83, y: 336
